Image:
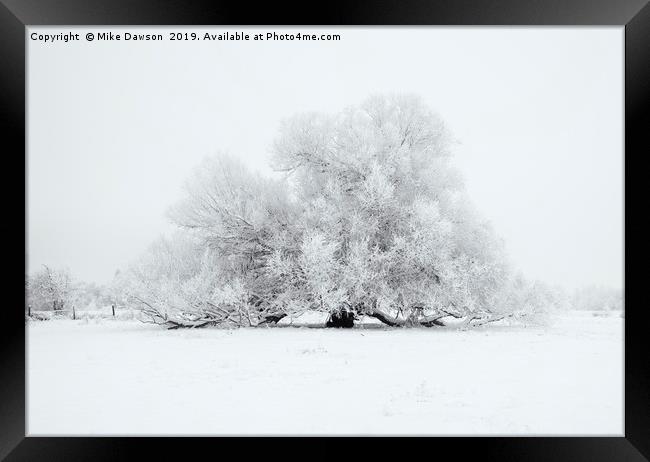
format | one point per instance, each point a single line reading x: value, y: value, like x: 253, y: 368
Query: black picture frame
x: 634, y: 15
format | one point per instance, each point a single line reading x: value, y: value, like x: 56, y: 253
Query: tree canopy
x: 370, y: 217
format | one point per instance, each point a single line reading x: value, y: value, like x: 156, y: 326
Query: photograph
x: 324, y: 231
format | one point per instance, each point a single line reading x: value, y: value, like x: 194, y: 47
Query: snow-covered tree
x: 371, y: 218
x: 377, y: 184
x: 181, y: 282
x: 51, y: 289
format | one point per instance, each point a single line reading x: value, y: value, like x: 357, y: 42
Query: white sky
x: 114, y: 129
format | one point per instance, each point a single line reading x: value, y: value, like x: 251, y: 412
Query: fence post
x: 113, y: 308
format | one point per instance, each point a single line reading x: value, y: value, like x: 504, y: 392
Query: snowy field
x: 120, y: 377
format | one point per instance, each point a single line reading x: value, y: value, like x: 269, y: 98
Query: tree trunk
x: 437, y: 319
x: 424, y: 321
x: 341, y: 319
x: 171, y: 325
x: 272, y: 319
x: 385, y: 318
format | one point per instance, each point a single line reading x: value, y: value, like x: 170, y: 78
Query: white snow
x: 115, y: 377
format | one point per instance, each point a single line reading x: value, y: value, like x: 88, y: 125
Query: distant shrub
x: 597, y: 298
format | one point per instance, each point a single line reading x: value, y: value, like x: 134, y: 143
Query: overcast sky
x: 114, y: 129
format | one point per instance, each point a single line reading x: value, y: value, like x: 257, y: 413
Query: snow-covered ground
x: 98, y: 377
